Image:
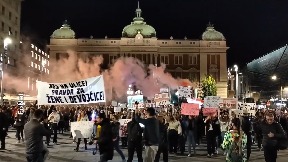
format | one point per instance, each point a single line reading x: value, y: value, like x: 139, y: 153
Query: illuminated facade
x: 38, y: 68
x: 10, y: 14
x: 184, y: 58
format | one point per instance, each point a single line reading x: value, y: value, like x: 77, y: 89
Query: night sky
x: 252, y: 27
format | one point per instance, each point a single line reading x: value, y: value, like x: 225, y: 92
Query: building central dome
x: 138, y: 26
x: 65, y: 32
x: 212, y: 35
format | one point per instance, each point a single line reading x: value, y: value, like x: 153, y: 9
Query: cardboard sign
x: 185, y: 92
x: 163, y: 102
x: 123, y: 127
x: 114, y: 103
x: 209, y: 111
x: 211, y: 102
x: 82, y: 129
x: 117, y: 109
x: 228, y: 103
x: 189, y: 109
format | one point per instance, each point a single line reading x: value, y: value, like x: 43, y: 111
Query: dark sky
x: 252, y: 27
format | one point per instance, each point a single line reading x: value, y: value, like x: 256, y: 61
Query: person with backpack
x: 234, y: 143
x: 115, y: 130
x: 134, y: 139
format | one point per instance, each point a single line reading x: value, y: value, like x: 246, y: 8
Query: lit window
x: 32, y: 45
x: 39, y: 58
x: 36, y: 48
x: 48, y: 56
x: 42, y: 52
x: 35, y: 56
x: 39, y: 67
x: 32, y: 64
x: 32, y: 54
x: 48, y: 63
x: 35, y: 65
x: 47, y: 71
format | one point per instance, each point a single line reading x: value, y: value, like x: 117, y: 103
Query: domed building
x: 184, y: 58
x: 65, y: 32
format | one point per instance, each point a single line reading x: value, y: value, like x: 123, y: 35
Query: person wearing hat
x: 105, y: 140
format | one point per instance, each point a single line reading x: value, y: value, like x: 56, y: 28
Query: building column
x: 203, y: 65
x: 223, y: 67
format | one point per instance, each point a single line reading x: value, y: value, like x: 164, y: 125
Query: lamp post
x: 274, y: 77
x: 237, y: 81
x: 6, y: 43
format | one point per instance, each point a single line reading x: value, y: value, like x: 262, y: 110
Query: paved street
x: 64, y: 153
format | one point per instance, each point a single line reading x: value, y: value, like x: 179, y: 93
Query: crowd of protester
x: 164, y: 131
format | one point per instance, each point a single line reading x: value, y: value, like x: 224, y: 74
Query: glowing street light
x: 274, y: 77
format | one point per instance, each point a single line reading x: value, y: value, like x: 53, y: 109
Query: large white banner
x: 82, y: 129
x: 86, y: 91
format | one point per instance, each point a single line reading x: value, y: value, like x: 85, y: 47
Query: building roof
x: 212, y: 35
x: 138, y: 26
x: 65, y: 32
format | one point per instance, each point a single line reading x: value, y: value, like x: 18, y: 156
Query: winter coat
x: 105, y: 140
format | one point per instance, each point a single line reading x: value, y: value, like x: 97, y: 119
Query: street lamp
x: 6, y: 43
x: 274, y: 77
x: 237, y: 81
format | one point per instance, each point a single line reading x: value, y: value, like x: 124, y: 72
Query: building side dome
x: 65, y: 32
x: 212, y: 35
x: 138, y: 25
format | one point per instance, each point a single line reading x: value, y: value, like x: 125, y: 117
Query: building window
x: 47, y: 62
x: 36, y: 49
x: 178, y: 59
x: 48, y: 56
x: 3, y: 10
x: 214, y: 74
x: 10, y: 29
x: 10, y: 15
x: 39, y: 58
x: 193, y: 60
x: 164, y: 59
x: 39, y: 67
x: 214, y: 59
x: 32, y: 54
x: 16, y: 34
x: 47, y: 71
x: 36, y: 56
x: 112, y: 59
x: 32, y: 45
x: 16, y: 20
x: 32, y: 64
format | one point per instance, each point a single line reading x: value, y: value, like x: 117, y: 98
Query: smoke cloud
x: 76, y: 66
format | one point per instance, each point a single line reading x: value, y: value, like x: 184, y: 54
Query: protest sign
x: 228, y: 103
x: 82, y: 129
x: 136, y: 98
x: 209, y: 111
x: 123, y: 127
x: 189, y: 109
x: 21, y: 104
x: 185, y: 92
x: 114, y: 103
x: 211, y: 102
x: 117, y: 109
x: 86, y: 91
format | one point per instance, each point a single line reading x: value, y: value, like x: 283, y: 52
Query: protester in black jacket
x: 246, y: 127
x: 134, y: 140
x: 272, y: 132
x: 115, y: 130
x: 3, y: 128
x: 163, y: 145
x: 19, y: 125
x: 105, y: 140
x: 34, y: 132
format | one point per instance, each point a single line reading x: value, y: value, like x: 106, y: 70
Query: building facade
x: 184, y: 58
x: 10, y: 14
